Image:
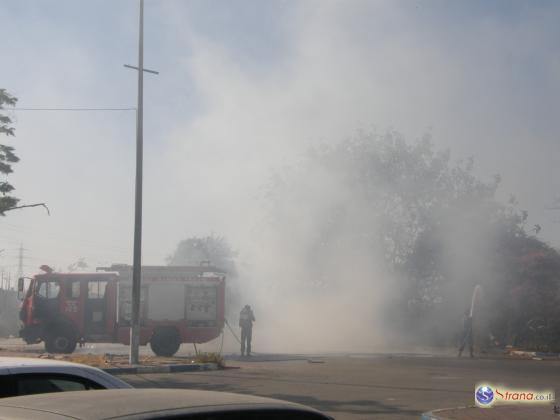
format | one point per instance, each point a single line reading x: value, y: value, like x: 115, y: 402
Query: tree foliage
x: 525, y: 309
x: 79, y: 265
x: 7, y: 154
x: 213, y: 249
x: 9, y: 322
x: 430, y: 221
x: 381, y: 190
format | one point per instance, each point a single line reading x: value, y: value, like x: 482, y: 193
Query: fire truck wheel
x: 165, y: 342
x: 60, y: 341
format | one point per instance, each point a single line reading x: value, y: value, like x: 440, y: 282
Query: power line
x: 31, y: 228
x: 68, y: 109
x: 73, y: 238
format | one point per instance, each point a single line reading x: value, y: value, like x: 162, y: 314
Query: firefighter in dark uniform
x: 246, y: 319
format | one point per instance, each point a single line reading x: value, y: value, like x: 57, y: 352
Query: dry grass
x: 112, y: 360
x: 210, y: 358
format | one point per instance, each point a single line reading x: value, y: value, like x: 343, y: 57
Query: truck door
x: 71, y: 304
x: 96, y: 307
x: 46, y: 305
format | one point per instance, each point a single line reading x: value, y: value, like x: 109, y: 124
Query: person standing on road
x: 467, y: 337
x: 246, y: 319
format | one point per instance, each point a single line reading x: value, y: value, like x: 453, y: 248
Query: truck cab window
x: 96, y: 289
x: 48, y: 289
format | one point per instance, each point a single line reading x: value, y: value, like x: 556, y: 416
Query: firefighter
x: 467, y: 337
x: 246, y: 319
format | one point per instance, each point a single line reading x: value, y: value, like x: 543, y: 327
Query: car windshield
x: 351, y: 204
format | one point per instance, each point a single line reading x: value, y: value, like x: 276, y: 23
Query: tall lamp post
x: 137, y: 259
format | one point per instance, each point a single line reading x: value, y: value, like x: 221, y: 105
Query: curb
x: 135, y: 370
x: 431, y: 415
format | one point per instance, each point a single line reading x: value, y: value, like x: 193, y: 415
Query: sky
x: 245, y: 87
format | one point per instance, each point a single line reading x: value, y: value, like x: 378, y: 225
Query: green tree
x: 7, y: 155
x: 79, y: 265
x: 381, y: 193
x: 213, y: 249
x: 9, y: 309
x: 428, y: 220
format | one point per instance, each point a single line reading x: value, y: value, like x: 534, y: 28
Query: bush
x: 9, y: 322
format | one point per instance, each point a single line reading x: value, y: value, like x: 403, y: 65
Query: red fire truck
x: 178, y: 305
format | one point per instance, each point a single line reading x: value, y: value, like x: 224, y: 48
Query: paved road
x: 366, y: 387
x: 348, y: 387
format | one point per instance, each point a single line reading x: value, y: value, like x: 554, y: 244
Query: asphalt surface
x: 364, y: 387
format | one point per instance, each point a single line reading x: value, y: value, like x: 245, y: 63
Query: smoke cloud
x: 244, y: 91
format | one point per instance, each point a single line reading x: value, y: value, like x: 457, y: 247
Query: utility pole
x: 20, y: 261
x: 2, y: 274
x: 137, y: 258
x: 2, y: 293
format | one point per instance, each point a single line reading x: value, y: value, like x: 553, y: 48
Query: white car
x: 25, y: 376
x: 153, y: 404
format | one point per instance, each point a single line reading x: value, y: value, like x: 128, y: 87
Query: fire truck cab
x: 178, y: 305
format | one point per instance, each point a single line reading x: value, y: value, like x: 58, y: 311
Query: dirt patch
x: 108, y: 360
x: 104, y: 355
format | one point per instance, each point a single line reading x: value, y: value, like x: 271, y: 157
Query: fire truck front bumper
x: 31, y: 334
